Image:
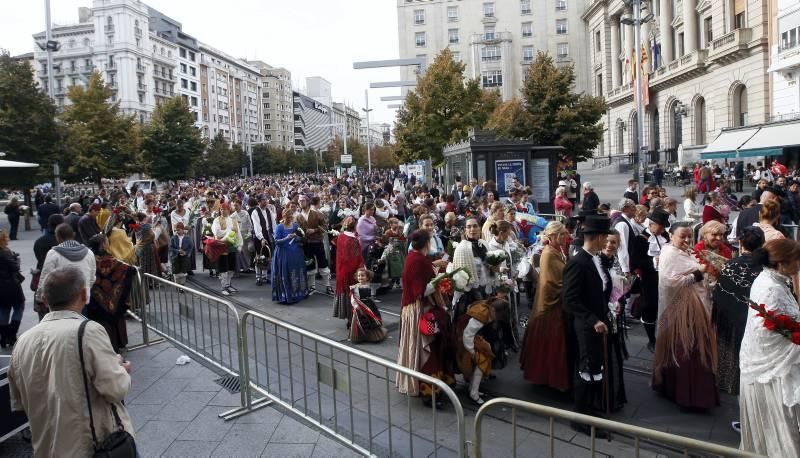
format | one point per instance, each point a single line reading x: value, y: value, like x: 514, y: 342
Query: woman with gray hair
x: 590, y: 199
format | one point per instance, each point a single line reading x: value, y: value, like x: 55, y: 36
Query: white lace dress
x: 770, y: 374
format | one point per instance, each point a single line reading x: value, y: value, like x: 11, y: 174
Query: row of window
x: 488, y: 10
x: 187, y: 54
x: 489, y: 33
x: 187, y: 69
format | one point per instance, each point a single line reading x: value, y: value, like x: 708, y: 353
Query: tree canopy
x: 171, y: 142
x: 101, y: 142
x: 28, y: 130
x: 550, y: 112
x: 441, y: 110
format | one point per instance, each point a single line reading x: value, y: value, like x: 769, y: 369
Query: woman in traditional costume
x: 111, y: 292
x: 226, y: 229
x: 769, y: 399
x: 730, y: 307
x: 685, y: 359
x: 429, y: 352
x: 367, y: 323
x: 473, y: 343
x: 617, y: 351
x: 348, y: 261
x: 289, y: 282
x: 119, y: 244
x: 470, y: 255
x: 544, y: 356
x: 146, y: 252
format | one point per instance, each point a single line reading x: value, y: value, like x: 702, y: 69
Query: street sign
x: 347, y: 158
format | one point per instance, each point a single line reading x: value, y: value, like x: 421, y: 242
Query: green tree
x: 220, y: 159
x: 441, y: 110
x: 170, y: 141
x: 551, y: 113
x: 28, y: 131
x: 101, y: 141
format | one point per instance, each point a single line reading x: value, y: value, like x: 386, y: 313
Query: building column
x: 615, y: 68
x: 628, y: 52
x: 665, y: 24
x: 690, y: 34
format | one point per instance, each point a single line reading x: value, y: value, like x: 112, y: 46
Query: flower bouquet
x: 231, y: 239
x: 496, y: 257
x: 452, y: 280
x: 778, y: 322
x: 193, y: 212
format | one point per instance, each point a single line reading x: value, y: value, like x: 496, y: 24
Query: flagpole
x: 637, y: 27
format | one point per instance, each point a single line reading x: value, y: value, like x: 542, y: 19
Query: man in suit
x: 263, y: 220
x: 586, y: 291
x: 73, y: 216
x: 44, y: 211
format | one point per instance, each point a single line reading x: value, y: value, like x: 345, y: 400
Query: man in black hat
x: 263, y: 220
x: 657, y: 237
x: 577, y: 242
x: 586, y: 291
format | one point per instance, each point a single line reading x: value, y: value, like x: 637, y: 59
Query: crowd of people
x: 589, y: 272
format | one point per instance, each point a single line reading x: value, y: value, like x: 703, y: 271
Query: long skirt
x: 181, y: 264
x: 148, y: 259
x: 367, y: 323
x: 431, y: 355
x: 244, y: 258
x: 289, y: 282
x: 544, y: 351
x: 769, y: 428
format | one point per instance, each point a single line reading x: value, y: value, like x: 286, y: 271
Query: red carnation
x: 796, y: 338
x: 445, y: 286
x: 769, y: 324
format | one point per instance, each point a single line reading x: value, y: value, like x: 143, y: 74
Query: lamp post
x: 637, y: 22
x: 366, y: 110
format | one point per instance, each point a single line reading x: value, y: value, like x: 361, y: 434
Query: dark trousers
x: 649, y: 300
x: 14, y: 223
x: 739, y: 184
x: 316, y: 250
x: 227, y: 262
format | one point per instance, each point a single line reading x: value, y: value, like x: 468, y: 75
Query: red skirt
x: 544, y: 351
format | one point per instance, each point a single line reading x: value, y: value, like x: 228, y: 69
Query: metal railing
x: 138, y: 299
x: 652, y: 439
x: 201, y: 324
x: 343, y: 391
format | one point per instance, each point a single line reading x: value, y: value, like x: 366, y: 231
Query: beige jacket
x: 46, y: 382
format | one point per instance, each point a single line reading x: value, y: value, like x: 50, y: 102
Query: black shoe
x: 586, y: 429
x: 190, y: 273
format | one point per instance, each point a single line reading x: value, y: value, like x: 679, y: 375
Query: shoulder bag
x: 120, y: 443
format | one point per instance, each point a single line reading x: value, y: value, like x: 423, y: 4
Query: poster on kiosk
x: 506, y: 171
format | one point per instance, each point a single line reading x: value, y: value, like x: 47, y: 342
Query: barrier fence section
x: 348, y: 393
x: 654, y: 440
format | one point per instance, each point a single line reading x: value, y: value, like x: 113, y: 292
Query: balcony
x: 109, y: 28
x: 620, y: 95
x: 142, y: 87
x: 113, y: 84
x: 729, y: 47
x: 686, y: 67
x: 496, y: 58
x: 87, y: 69
x: 137, y: 31
x: 139, y: 68
x: 490, y: 38
x: 72, y: 70
x: 110, y: 67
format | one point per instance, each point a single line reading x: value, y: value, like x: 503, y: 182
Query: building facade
x: 497, y: 39
x: 230, y: 90
x: 785, y: 66
x: 276, y: 105
x: 344, y: 115
x: 706, y: 62
x: 312, y: 121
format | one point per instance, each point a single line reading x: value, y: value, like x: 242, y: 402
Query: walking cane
x: 606, y: 387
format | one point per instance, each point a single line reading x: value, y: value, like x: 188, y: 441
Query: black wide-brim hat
x: 581, y: 216
x: 596, y: 224
x: 659, y: 216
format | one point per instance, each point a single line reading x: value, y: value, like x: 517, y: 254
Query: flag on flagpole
x: 645, y: 78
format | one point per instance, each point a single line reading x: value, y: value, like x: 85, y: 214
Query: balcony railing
x: 87, y: 68
x: 72, y: 70
x: 491, y: 58
x: 142, y: 87
x: 137, y: 31
x: 728, y: 45
x: 678, y: 70
x: 110, y: 67
x: 109, y: 28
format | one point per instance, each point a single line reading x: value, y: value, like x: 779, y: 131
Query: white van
x: 146, y: 186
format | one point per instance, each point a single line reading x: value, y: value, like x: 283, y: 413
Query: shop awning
x: 16, y: 165
x: 771, y: 139
x: 727, y: 143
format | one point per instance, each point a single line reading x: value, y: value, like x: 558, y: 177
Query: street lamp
x: 366, y: 110
x: 637, y: 22
x: 344, y: 134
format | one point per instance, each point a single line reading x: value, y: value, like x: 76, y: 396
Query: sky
x: 308, y: 37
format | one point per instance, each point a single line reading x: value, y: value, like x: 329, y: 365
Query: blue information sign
x: 506, y: 171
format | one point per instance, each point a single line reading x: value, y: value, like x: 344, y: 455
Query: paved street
x: 175, y: 408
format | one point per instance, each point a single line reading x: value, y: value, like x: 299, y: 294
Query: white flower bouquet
x: 496, y: 257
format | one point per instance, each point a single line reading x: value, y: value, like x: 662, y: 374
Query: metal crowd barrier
x: 343, y: 391
x: 668, y: 443
x: 139, y: 298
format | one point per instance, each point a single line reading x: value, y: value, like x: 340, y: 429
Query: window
x: 488, y: 32
x: 266, y: 105
x: 490, y: 53
x: 138, y: 42
x: 419, y: 17
x: 193, y: 71
x: 183, y: 68
x: 191, y: 56
x: 561, y: 5
x: 527, y: 53
x: 488, y: 9
x: 183, y: 53
x: 525, y: 6
x: 184, y: 83
x: 740, y: 106
x: 599, y: 85
x: 453, y: 36
x: 452, y: 14
x: 267, y: 116
x: 492, y: 79
x: 563, y: 50
x: 457, y: 56
x: 597, y: 46
x: 267, y: 126
x: 269, y: 137
x: 185, y: 98
x: 707, y: 23
x: 561, y: 26
x: 679, y: 51
x: 194, y: 101
x: 194, y: 86
x: 527, y: 29
x: 739, y: 14
x: 419, y: 39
